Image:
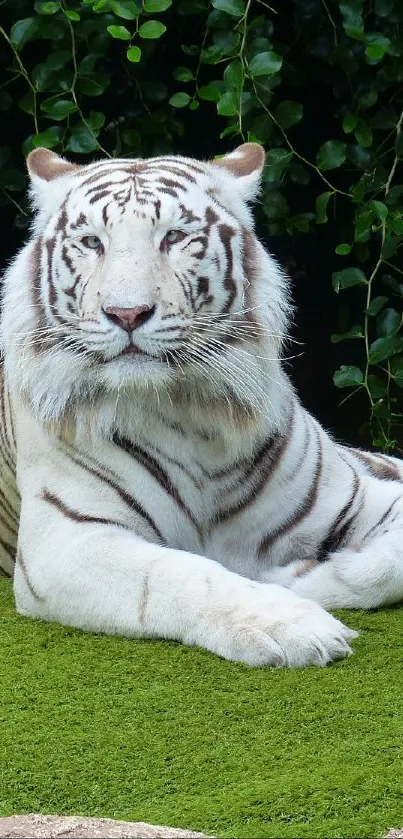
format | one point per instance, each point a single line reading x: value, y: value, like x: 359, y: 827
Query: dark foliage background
x: 318, y: 82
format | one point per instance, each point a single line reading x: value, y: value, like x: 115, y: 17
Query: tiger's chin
x: 136, y: 369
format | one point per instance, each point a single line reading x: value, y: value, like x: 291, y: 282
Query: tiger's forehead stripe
x: 143, y: 170
x: 140, y: 181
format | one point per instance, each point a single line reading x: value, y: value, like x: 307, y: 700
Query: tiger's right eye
x: 92, y: 242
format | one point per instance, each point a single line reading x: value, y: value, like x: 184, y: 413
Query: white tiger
x: 171, y: 484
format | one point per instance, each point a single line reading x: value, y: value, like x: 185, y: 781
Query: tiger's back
x: 9, y: 495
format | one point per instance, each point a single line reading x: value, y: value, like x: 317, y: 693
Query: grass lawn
x: 159, y: 732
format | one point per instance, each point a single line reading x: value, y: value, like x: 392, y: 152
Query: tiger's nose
x: 129, y: 319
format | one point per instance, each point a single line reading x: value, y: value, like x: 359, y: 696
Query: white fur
x: 209, y: 584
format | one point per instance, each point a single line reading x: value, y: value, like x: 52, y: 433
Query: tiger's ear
x: 45, y: 168
x: 246, y: 164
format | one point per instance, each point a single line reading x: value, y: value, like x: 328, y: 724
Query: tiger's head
x: 139, y: 273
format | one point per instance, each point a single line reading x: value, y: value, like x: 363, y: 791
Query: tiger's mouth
x: 132, y: 349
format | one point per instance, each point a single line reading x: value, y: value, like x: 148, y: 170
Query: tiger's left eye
x: 174, y: 236
x: 92, y: 242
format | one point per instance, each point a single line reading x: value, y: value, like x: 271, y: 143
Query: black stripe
x: 9, y: 549
x: 226, y: 233
x: 127, y: 499
x: 383, y: 518
x: 24, y: 571
x: 339, y: 528
x: 383, y: 470
x: 155, y: 469
x: 303, y: 510
x: 75, y: 515
x: 260, y: 469
x: 198, y: 483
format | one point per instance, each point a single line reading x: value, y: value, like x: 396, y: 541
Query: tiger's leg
x: 365, y: 574
x: 99, y: 576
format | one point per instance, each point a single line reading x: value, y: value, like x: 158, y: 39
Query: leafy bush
x: 318, y: 82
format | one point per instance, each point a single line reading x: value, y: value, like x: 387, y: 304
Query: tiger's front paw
x: 273, y: 626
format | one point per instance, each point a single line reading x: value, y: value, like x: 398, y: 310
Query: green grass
x: 159, y: 732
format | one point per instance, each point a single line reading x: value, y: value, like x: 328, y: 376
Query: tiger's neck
x: 224, y: 422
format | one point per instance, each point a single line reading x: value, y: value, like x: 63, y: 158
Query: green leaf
x: 52, y: 28
x: 375, y: 52
x: 230, y: 130
x: 22, y: 31
x: 228, y: 105
x: 233, y: 76
x: 126, y: 9
x: 227, y: 40
x: 277, y: 161
x: 119, y: 32
x: 321, y: 207
x: 49, y: 138
x: 384, y: 348
x: 183, y: 74
x: 353, y: 24
x: 348, y: 376
x: 134, y: 54
x: 58, y: 59
x: 392, y: 283
x: 179, y: 100
x: 376, y: 305
x: 353, y: 332
x: 347, y: 278
x: 96, y: 120
x: 349, y: 123
x: 380, y: 209
x: 82, y: 141
x: 264, y: 64
x: 300, y: 221
x: 377, y: 45
x: 288, y: 113
x: 396, y: 369
x: 236, y: 8
x: 368, y: 99
x: 275, y: 205
x: 363, y: 134
x: 194, y: 105
x: 376, y: 386
x: 94, y: 86
x: 27, y: 103
x: 331, y: 155
x: 58, y: 109
x: 155, y: 6
x: 152, y: 29
x: 132, y: 140
x: 388, y: 323
x: 71, y: 15
x: 343, y: 249
x: 211, y: 54
x: 210, y: 92
x: 47, y: 8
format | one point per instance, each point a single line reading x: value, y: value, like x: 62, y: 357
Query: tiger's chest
x: 202, y: 498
